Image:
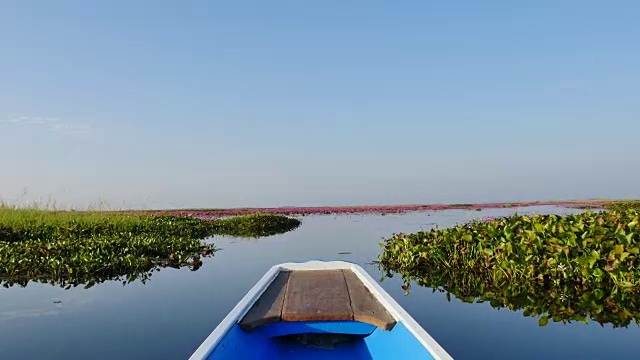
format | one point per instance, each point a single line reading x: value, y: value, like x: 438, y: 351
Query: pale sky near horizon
x: 274, y: 103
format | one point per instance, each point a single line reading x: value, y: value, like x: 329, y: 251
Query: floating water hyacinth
x: 560, y: 268
x: 73, y: 248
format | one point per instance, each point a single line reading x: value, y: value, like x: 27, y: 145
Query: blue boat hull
x: 274, y: 341
x: 268, y: 324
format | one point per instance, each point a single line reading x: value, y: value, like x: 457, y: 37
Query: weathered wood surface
x: 365, y: 307
x: 317, y: 295
x: 268, y: 308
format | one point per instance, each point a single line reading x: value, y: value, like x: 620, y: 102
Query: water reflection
x: 170, y: 316
x: 547, y: 302
x: 127, y: 275
x: 74, y: 262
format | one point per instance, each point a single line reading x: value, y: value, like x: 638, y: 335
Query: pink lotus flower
x: 218, y: 213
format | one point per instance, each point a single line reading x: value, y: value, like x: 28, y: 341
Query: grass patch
x: 561, y: 268
x: 71, y: 248
x: 39, y: 225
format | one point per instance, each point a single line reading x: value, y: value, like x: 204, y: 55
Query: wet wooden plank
x: 316, y: 295
x: 366, y: 308
x: 268, y: 308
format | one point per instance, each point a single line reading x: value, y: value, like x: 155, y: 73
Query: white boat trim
x: 397, y: 311
x: 205, y: 349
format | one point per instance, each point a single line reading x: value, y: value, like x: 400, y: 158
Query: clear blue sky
x: 272, y: 103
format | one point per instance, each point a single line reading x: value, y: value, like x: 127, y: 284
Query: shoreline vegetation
x: 384, y: 209
x: 560, y: 268
x: 70, y: 248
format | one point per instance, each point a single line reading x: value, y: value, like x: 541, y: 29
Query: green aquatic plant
x: 614, y: 205
x: 73, y: 248
x: 254, y: 225
x: 622, y: 205
x: 563, y: 268
x: 560, y: 303
x: 70, y: 262
x: 40, y: 225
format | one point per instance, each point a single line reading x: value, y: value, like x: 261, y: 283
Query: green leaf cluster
x: 623, y: 205
x: 72, y: 261
x: 254, y: 225
x: 71, y: 248
x: 563, y: 268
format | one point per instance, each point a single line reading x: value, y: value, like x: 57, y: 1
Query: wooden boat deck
x: 317, y: 295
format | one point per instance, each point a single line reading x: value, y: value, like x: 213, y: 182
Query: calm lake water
x: 168, y: 317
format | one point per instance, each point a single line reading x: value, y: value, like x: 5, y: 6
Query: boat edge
x: 397, y: 311
x: 245, y: 304
x: 238, y: 311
